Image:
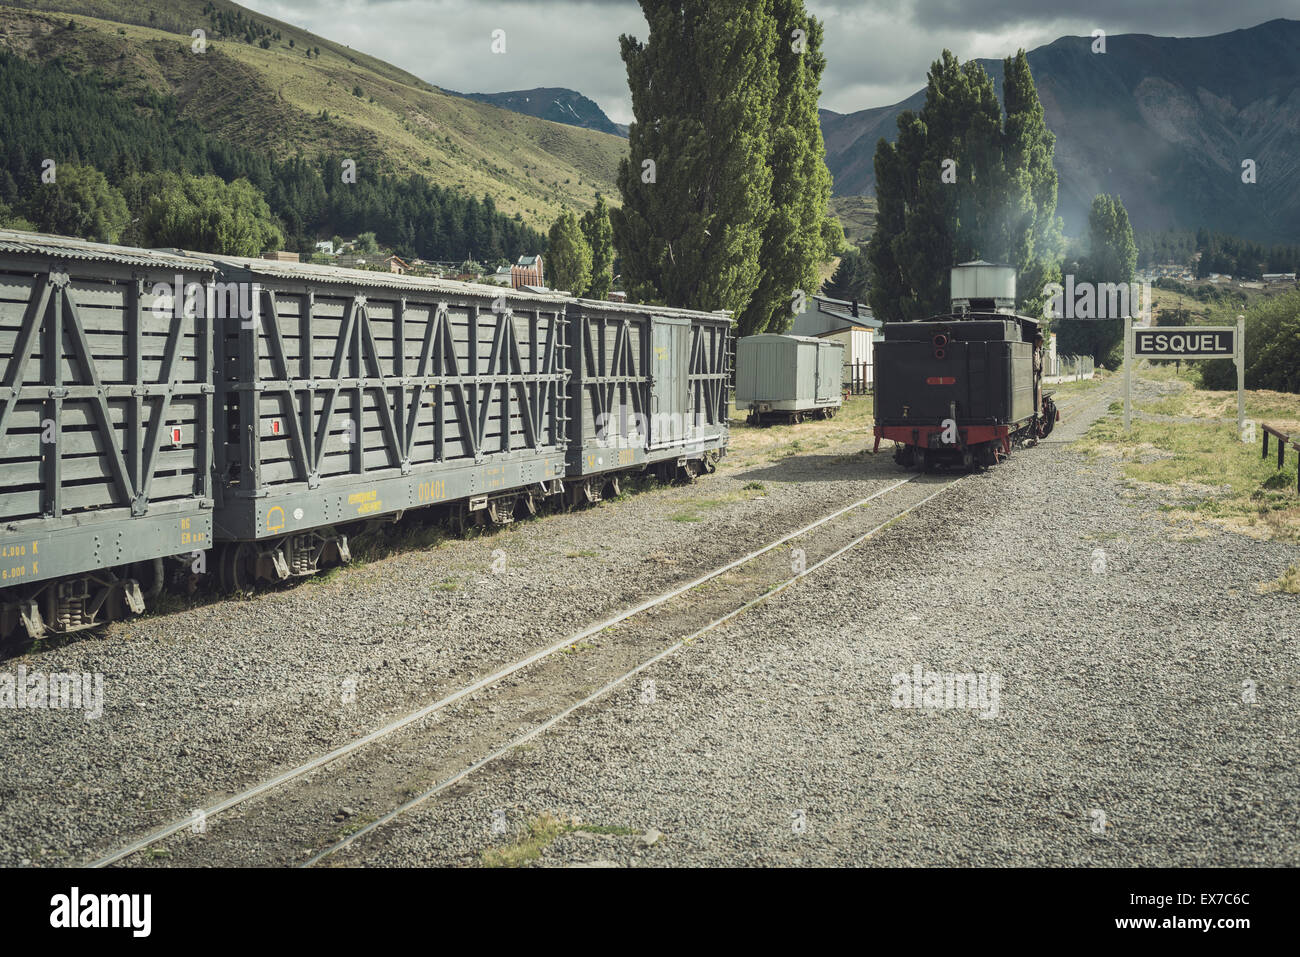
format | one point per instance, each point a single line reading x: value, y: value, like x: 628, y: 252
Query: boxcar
x: 351, y: 396
x: 648, y: 389
x: 106, y: 406
x: 789, y: 378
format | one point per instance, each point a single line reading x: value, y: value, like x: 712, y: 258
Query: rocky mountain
x: 554, y: 104
x: 1165, y: 122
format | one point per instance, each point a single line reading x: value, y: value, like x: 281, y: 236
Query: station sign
x: 1185, y: 342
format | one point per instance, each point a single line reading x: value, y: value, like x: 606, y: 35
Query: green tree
x: 599, y: 233
x: 794, y: 237
x: 1034, y: 232
x: 961, y: 184
x: 204, y: 214
x: 1111, y: 259
x: 80, y: 202
x: 568, y: 256
x: 9, y: 219
x: 851, y: 279
x: 367, y: 243
x: 696, y: 187
x: 1272, y: 348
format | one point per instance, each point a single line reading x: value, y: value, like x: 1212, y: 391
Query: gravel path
x: 203, y: 702
x: 1146, y: 711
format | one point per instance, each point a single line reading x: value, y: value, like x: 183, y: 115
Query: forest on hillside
x: 86, y: 122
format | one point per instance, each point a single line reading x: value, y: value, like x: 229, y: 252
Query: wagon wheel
x: 238, y: 569
x: 615, y: 489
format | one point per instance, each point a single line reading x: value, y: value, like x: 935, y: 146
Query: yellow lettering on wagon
x: 366, y: 502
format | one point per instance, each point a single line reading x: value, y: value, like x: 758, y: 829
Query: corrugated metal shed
x: 65, y: 247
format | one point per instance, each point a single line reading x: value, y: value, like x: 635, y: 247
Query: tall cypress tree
x: 794, y: 238
x: 696, y: 188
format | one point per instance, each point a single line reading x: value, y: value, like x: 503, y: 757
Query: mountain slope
x: 554, y: 104
x: 1163, y: 121
x: 280, y: 100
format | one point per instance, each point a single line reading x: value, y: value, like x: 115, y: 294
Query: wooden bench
x: 1282, y: 440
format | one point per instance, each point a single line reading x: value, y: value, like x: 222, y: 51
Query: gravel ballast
x: 1124, y: 732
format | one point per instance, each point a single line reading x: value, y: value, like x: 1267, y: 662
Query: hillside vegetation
x: 290, y: 92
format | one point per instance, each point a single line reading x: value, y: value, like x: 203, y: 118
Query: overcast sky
x: 877, y: 51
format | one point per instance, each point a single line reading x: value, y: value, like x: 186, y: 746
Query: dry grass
x: 1206, y: 476
x: 1288, y: 584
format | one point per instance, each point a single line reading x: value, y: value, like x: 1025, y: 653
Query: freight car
x: 789, y: 378
x: 963, y: 389
x: 648, y: 390
x: 106, y: 412
x: 260, y: 413
x: 350, y: 396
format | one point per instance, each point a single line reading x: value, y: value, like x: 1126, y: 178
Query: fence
x: 858, y: 378
x: 1068, y: 368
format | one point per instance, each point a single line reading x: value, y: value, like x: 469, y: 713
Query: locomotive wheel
x: 238, y: 570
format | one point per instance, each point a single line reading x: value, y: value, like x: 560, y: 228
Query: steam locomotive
x: 962, y: 390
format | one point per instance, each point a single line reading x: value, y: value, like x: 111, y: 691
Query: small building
x: 325, y: 246
x: 1275, y: 277
x: 527, y: 272
x: 848, y: 322
x: 397, y: 265
x: 504, y: 276
x: 281, y: 256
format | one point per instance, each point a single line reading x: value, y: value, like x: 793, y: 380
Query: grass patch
x: 1287, y: 584
x: 448, y: 585
x: 1280, y: 409
x: 540, y: 833
x: 1211, y: 476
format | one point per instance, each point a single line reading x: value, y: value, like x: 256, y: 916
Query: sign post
x: 1241, y: 377
x: 1186, y: 342
x: 1128, y: 372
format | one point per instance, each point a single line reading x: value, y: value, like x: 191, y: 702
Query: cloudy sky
x: 877, y: 50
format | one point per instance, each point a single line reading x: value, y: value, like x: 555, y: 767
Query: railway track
x: 688, y: 611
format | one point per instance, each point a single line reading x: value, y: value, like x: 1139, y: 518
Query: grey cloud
x: 877, y: 51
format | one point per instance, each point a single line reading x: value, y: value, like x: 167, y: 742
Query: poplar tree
x: 568, y: 257
x: 696, y: 187
x: 600, y: 237
x: 960, y: 184
x: 794, y: 239
x: 1112, y: 258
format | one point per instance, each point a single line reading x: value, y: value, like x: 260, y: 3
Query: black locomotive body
x: 962, y: 389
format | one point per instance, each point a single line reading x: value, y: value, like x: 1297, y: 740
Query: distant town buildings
x: 527, y: 272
